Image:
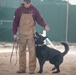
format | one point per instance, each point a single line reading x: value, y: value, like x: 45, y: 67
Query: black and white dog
x: 44, y: 53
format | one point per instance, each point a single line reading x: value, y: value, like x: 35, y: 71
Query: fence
x: 60, y: 15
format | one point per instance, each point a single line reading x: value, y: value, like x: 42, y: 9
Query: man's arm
x: 41, y: 21
x: 16, y: 23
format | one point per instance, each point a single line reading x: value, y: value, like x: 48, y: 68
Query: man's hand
x: 47, y: 28
x: 15, y: 37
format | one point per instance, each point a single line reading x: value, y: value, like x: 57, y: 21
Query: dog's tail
x: 66, y: 48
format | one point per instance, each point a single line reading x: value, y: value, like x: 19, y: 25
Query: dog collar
x: 39, y: 45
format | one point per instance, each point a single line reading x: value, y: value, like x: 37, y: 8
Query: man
x: 25, y: 18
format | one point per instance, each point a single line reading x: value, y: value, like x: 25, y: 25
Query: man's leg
x: 32, y: 55
x: 22, y: 57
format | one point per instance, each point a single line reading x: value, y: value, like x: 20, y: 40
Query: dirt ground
x: 68, y: 67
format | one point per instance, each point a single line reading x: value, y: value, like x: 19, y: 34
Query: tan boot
x: 21, y: 71
x: 31, y: 72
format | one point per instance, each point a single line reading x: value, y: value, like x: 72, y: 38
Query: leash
x: 15, y: 47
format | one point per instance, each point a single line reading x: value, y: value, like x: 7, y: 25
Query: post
x: 67, y: 16
x: 44, y: 34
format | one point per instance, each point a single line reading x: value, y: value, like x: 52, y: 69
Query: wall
x: 53, y: 12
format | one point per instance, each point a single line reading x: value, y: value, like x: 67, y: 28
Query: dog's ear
x: 45, y: 37
x: 40, y: 36
x: 37, y: 34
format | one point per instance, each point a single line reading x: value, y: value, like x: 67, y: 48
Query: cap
x: 27, y: 1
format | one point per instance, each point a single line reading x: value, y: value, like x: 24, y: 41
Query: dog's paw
x: 56, y: 72
x: 39, y: 72
x: 53, y: 68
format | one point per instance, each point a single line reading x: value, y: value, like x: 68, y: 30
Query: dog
x: 44, y: 53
